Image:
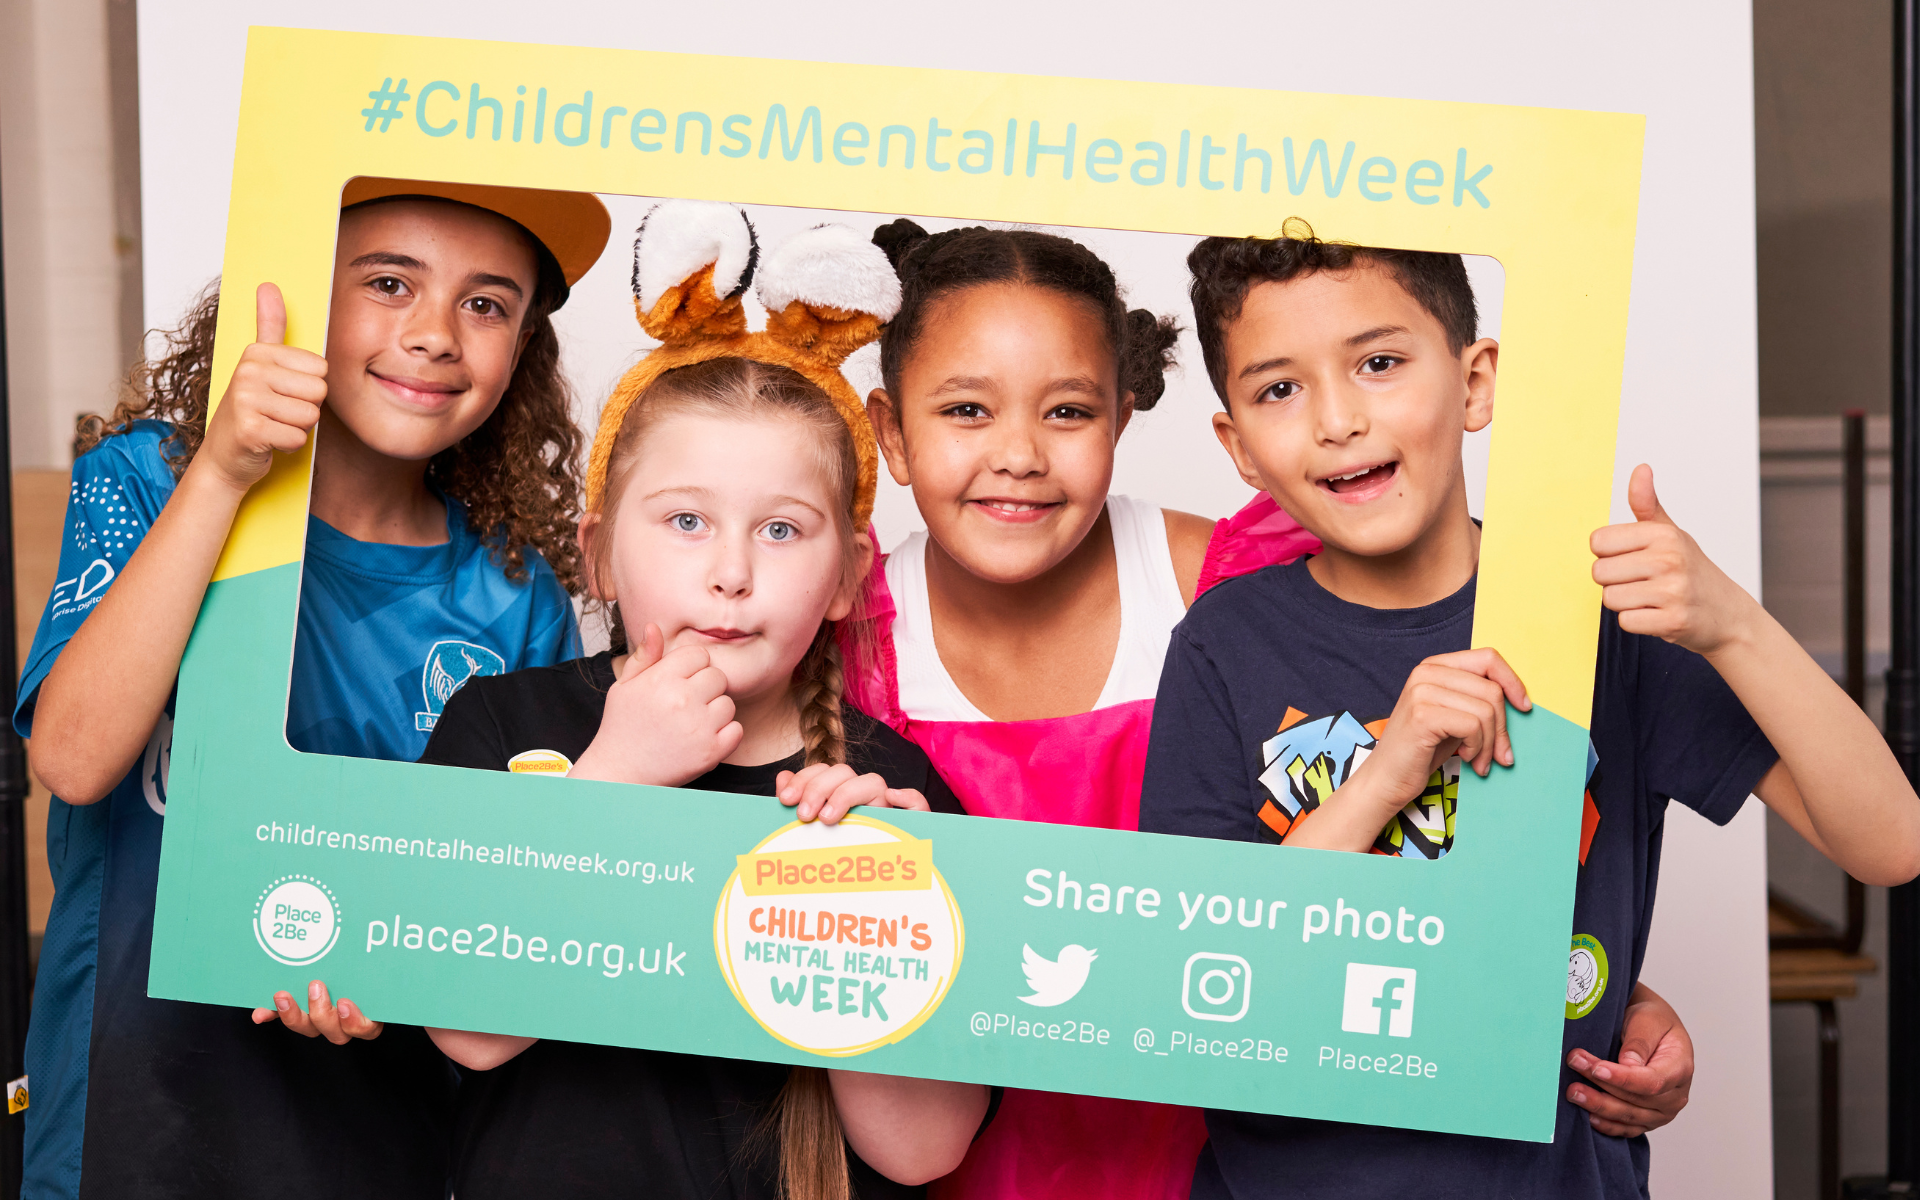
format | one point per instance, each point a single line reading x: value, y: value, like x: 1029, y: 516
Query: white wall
x: 1690, y: 379
x: 1168, y: 455
x: 62, y: 265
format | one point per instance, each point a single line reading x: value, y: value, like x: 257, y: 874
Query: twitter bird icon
x: 1056, y: 981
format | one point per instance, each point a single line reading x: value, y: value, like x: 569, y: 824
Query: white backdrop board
x: 1690, y: 387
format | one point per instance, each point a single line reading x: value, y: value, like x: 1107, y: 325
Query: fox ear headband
x: 827, y: 292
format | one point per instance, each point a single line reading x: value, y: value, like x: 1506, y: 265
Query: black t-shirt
x: 1272, y: 663
x: 259, y: 1110
x: 567, y: 1119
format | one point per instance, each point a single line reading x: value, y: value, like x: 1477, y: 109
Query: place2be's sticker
x: 540, y: 762
x: 839, y: 939
x: 1586, y: 975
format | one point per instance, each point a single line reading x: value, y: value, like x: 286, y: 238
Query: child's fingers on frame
x: 355, y: 1023
x: 289, y: 364
x: 790, y: 786
x: 1645, y: 594
x: 1486, y: 663
x: 860, y: 790
x: 1488, y: 690
x: 1611, y: 540
x: 818, y: 791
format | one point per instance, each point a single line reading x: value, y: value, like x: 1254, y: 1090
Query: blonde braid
x: 813, y: 1156
x: 813, y: 1159
x: 819, y: 682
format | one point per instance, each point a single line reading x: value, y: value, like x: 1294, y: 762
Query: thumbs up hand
x: 271, y: 402
x: 1661, y: 583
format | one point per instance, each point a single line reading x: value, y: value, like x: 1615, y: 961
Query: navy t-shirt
x: 1270, y: 686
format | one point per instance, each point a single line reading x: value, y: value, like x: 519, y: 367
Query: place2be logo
x: 839, y: 939
x: 296, y: 920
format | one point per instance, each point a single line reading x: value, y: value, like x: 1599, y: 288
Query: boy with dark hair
x: 1329, y: 703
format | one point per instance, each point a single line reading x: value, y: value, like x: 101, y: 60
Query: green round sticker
x: 1586, y: 975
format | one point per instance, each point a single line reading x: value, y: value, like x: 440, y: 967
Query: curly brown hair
x: 519, y: 474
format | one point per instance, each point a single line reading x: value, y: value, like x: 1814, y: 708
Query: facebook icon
x: 1372, y: 990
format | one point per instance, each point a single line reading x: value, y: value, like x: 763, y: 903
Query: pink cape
x: 1084, y: 769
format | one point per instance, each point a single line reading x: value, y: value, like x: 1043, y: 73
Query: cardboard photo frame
x: 1551, y: 194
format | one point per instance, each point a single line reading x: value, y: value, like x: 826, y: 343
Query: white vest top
x: 1150, y: 606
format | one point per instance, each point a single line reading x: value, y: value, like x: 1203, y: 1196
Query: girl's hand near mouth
x: 669, y: 719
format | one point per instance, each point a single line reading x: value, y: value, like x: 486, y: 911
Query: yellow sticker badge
x: 540, y: 762
x: 839, y: 939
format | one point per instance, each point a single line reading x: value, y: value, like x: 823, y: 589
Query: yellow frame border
x: 304, y: 131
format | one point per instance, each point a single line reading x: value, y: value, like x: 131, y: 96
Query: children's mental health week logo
x: 840, y: 939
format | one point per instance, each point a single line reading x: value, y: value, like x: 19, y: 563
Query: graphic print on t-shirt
x: 450, y: 664
x: 1309, y: 757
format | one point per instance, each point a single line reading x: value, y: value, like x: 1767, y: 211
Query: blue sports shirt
x: 194, y: 1100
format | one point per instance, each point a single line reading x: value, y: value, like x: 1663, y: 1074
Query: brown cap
x: 573, y: 226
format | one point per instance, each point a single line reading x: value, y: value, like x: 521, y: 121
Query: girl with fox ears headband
x: 728, y: 494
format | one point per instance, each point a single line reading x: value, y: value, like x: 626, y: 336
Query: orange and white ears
x: 827, y: 291
x: 692, y: 261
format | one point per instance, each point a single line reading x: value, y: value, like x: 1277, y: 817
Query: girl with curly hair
x: 445, y: 486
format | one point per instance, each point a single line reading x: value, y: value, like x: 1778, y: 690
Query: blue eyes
x: 773, y: 531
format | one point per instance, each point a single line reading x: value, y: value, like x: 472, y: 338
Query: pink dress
x: 1077, y: 770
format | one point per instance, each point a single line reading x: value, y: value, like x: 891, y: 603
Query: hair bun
x: 1147, y: 356
x: 898, y: 238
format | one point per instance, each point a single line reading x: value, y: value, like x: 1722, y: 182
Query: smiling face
x: 1004, y: 427
x: 1347, y: 406
x: 728, y: 534
x: 428, y: 319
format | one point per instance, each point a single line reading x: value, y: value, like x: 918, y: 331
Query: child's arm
x: 479, y: 1051
x: 910, y: 1130
x: 1836, y: 783
x: 1649, y: 1084
x: 98, y: 705
x: 1452, y: 704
